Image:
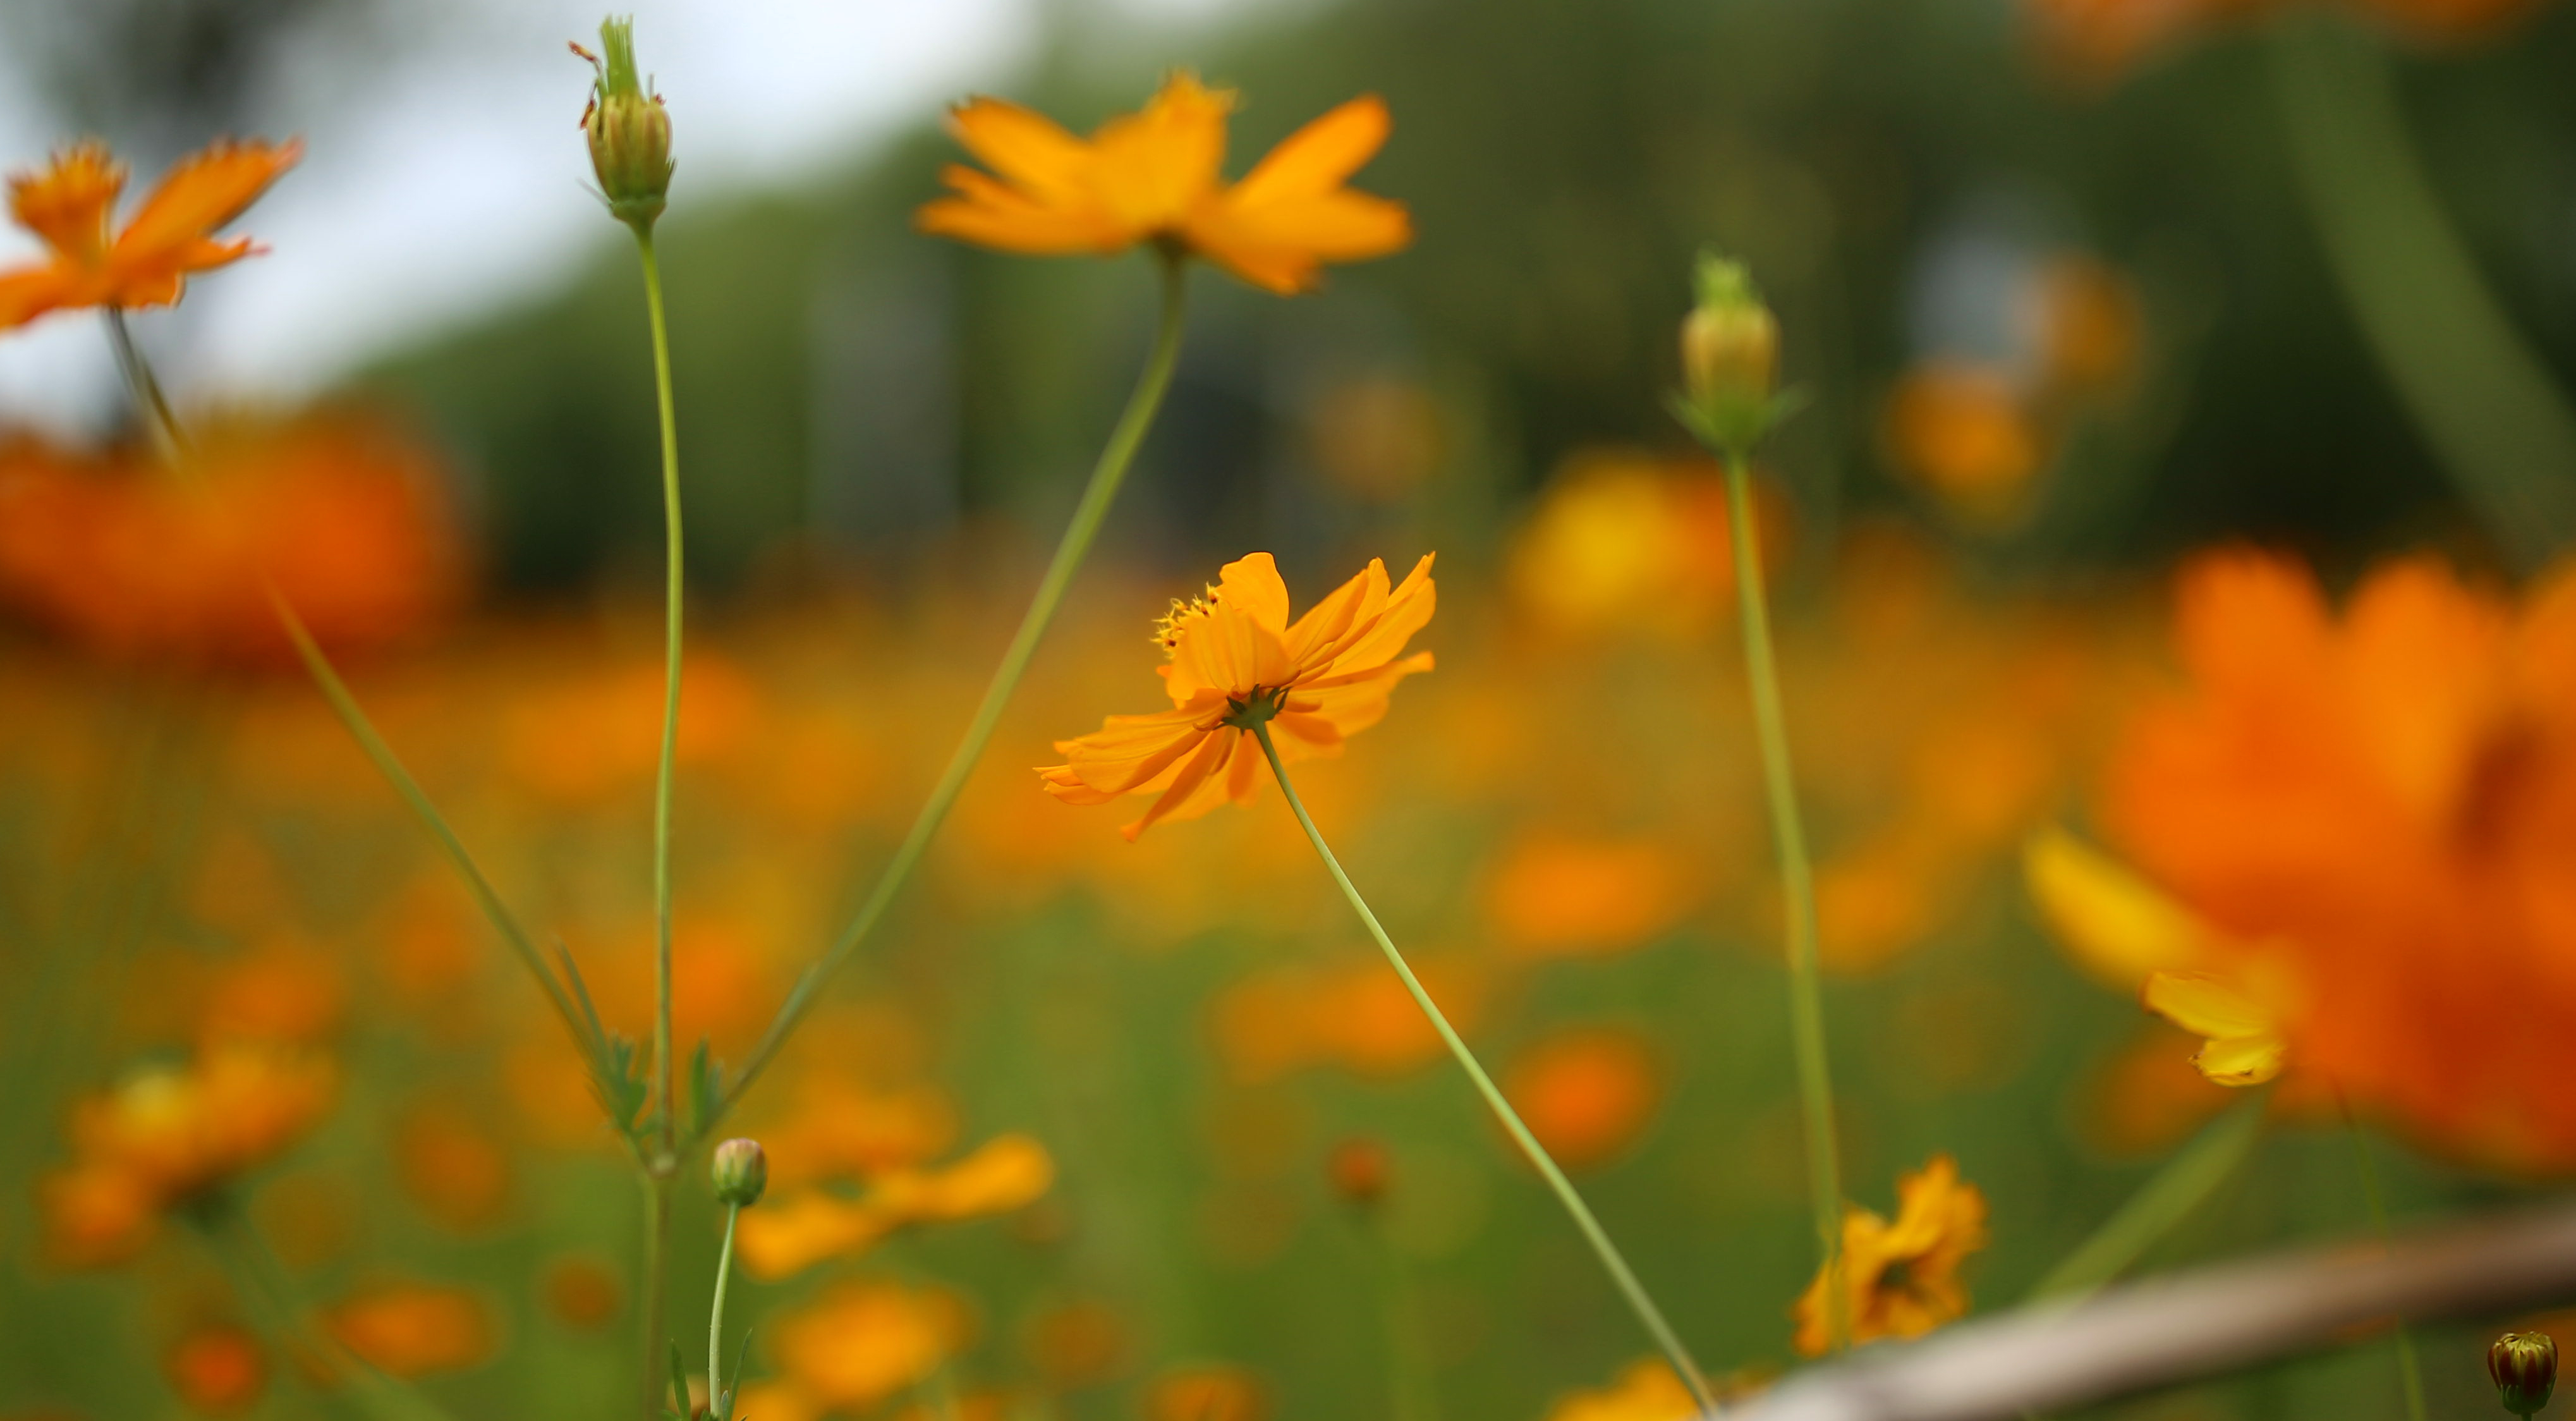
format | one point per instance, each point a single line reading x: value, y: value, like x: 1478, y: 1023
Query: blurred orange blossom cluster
x: 341, y: 512
x: 2099, y: 39
x: 1154, y: 176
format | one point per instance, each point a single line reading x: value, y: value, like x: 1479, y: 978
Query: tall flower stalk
x: 1730, y: 359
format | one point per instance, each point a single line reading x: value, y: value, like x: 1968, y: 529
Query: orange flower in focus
x: 792, y: 1233
x: 2371, y: 813
x: 862, y: 1342
x: 1234, y: 657
x: 1210, y: 1392
x: 342, y: 514
x: 1902, y: 1279
x: 1153, y: 176
x: 217, y: 1370
x: 165, y: 1136
x: 1586, y: 1094
x: 414, y: 1329
x: 68, y: 204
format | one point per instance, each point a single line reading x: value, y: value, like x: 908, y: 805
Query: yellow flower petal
x: 2241, y: 1060
x: 2116, y: 924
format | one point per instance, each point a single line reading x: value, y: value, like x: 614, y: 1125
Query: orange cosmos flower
x: 2366, y: 813
x: 147, y: 264
x: 1236, y: 660
x: 1902, y: 1279
x: 1153, y: 176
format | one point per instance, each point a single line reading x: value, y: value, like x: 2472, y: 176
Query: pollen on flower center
x: 1169, y: 626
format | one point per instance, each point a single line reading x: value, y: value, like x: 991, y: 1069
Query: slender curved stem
x: 715, y: 1320
x: 2484, y: 402
x: 2184, y: 1183
x: 1798, y: 896
x: 260, y: 1282
x: 1612, y: 1261
x: 666, y: 1068
x: 2410, y: 1372
x: 1097, y: 496
x: 174, y: 441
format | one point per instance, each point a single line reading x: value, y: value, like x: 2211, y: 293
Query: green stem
x: 2484, y: 402
x: 174, y: 441
x: 1612, y: 1261
x: 715, y: 1321
x: 1798, y: 894
x: 2183, y: 1185
x: 1097, y: 496
x: 260, y: 1281
x: 666, y: 1064
x: 657, y: 1288
x: 2410, y: 1373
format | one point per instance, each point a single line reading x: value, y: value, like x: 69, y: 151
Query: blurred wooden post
x: 2187, y: 1326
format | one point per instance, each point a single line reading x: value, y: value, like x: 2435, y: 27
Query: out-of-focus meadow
x: 1105, y: 1129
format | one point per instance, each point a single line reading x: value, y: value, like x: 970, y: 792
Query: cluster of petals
x: 1156, y: 176
x: 795, y: 1231
x: 166, y: 1136
x: 342, y: 513
x: 2365, y: 815
x: 1234, y: 654
x: 1901, y: 1279
x: 69, y: 204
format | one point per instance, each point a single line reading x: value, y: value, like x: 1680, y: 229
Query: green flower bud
x: 741, y: 1172
x: 629, y: 130
x: 1730, y: 358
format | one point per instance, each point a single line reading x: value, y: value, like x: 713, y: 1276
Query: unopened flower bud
x: 741, y: 1172
x: 1358, y: 1169
x: 2525, y: 1367
x: 1730, y: 341
x: 629, y: 130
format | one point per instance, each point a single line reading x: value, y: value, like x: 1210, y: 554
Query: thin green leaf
x: 2183, y: 1185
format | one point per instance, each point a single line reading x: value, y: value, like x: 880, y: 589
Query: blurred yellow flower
x: 1902, y: 1279
x: 1646, y: 1390
x: 864, y: 1341
x: 69, y: 203
x: 1624, y: 540
x: 1154, y: 176
x: 789, y: 1234
x: 1233, y: 652
x: 414, y: 1329
x: 2133, y: 934
x: 167, y: 1135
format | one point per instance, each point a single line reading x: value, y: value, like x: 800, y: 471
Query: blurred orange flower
x: 1624, y: 540
x: 1586, y: 1093
x: 1554, y: 896
x: 1356, y: 1016
x: 787, y: 1235
x: 1962, y: 431
x: 167, y: 1135
x: 1153, y: 176
x: 341, y: 512
x: 2097, y: 40
x: 862, y: 1342
x: 1646, y: 1390
x: 1902, y: 1279
x: 2369, y: 815
x: 413, y: 1329
x: 1233, y: 655
x: 217, y: 1370
x: 68, y: 204
x: 1207, y: 1392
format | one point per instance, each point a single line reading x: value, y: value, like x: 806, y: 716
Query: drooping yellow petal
x: 2241, y: 1060
x: 2116, y: 924
x: 2245, y: 1043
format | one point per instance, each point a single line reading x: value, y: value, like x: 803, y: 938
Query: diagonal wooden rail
x: 2190, y: 1325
